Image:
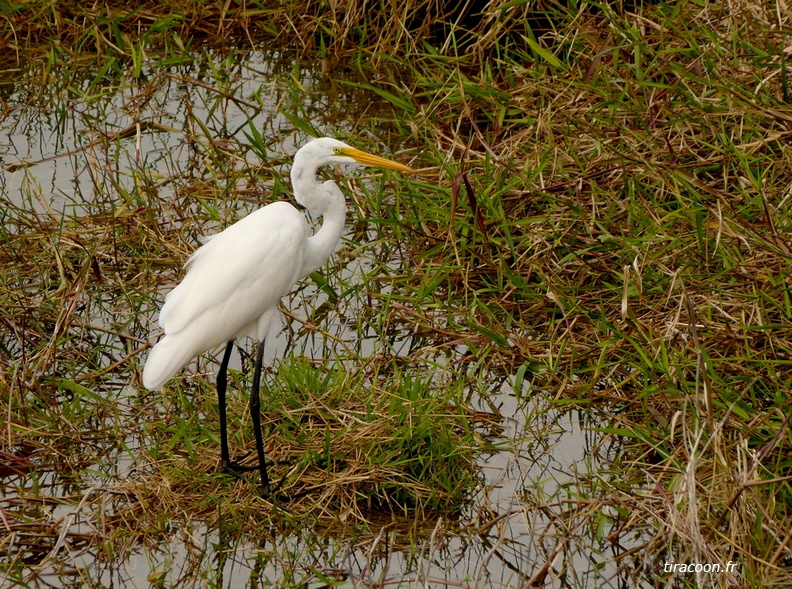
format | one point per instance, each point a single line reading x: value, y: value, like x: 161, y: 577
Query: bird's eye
x: 336, y: 150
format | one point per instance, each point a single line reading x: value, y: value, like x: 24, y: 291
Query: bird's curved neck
x: 320, y: 198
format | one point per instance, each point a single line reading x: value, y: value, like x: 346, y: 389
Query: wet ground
x: 86, y: 150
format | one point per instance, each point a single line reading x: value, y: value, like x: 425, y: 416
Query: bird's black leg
x: 255, y: 413
x: 226, y: 464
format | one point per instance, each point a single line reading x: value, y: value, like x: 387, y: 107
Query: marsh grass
x: 341, y: 443
x: 627, y: 200
x: 601, y: 216
x: 131, y: 468
x: 351, y: 442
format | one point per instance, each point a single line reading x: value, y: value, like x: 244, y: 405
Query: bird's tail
x: 164, y: 360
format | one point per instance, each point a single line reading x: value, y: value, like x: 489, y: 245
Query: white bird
x: 235, y: 280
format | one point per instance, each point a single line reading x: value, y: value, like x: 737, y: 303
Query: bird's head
x: 326, y: 150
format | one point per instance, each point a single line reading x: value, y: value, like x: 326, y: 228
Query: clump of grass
x: 402, y: 440
x: 341, y: 442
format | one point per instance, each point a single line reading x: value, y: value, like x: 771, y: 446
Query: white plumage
x: 230, y: 290
x: 235, y: 280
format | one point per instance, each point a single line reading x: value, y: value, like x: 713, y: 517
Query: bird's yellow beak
x: 368, y: 159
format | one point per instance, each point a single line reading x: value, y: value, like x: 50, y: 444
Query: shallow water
x: 545, y: 459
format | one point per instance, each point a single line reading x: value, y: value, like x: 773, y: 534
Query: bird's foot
x: 273, y: 494
x: 265, y: 491
x: 235, y: 468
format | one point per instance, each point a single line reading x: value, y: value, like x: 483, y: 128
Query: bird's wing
x: 239, y: 274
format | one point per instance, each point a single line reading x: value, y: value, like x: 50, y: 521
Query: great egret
x: 235, y: 280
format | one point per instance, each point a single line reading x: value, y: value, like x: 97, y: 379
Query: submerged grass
x: 601, y: 217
